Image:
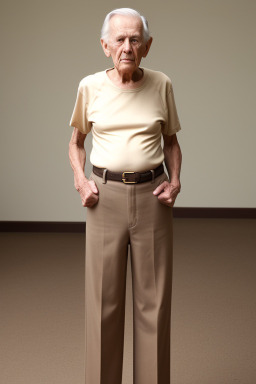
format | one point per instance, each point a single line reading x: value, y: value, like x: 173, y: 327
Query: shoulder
x: 159, y: 80
x: 157, y: 76
x: 91, y: 82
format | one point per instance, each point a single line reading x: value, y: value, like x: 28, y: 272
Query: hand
x: 89, y: 193
x: 167, y: 192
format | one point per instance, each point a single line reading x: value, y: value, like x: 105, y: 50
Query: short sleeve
x: 79, y: 115
x: 172, y: 123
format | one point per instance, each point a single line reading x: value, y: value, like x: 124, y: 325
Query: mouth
x: 127, y: 60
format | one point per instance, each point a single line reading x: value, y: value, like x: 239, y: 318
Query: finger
x: 90, y: 201
x: 165, y: 201
x: 160, y: 188
x: 93, y: 186
x: 168, y: 203
x: 165, y: 195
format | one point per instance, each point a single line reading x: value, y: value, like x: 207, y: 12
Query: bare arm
x: 167, y: 192
x: 172, y: 158
x: 77, y: 156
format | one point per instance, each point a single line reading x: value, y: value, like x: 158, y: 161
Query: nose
x: 127, y: 45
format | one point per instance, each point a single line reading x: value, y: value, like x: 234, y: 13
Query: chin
x: 129, y: 65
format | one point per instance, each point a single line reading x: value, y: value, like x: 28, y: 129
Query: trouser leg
x: 105, y: 282
x: 123, y: 213
x: 151, y: 258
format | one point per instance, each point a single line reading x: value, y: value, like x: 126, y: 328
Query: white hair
x: 124, y: 12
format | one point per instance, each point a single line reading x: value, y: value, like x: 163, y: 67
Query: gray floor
x: 213, y: 312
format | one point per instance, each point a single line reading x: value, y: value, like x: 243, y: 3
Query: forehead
x: 125, y: 25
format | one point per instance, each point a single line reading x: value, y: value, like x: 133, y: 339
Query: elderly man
x: 129, y: 200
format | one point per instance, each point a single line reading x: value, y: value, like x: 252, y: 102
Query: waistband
x: 129, y: 177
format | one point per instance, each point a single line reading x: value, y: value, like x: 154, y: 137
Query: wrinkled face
x: 126, y: 43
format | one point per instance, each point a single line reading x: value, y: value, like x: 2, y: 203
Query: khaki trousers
x: 128, y: 214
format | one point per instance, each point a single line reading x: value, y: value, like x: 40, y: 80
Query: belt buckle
x: 124, y: 178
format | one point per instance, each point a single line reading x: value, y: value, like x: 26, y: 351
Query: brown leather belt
x: 128, y: 177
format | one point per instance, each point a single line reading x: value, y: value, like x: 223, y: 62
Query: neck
x: 126, y: 79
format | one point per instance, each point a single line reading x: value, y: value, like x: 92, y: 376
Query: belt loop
x: 104, y: 176
x: 153, y: 176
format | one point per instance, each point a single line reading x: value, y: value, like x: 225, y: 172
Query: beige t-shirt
x: 126, y: 124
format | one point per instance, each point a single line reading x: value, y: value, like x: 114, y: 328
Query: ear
x: 105, y: 47
x: 148, y: 45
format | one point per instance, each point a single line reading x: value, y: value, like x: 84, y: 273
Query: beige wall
x: 206, y: 47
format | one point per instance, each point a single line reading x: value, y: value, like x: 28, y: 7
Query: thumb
x: 93, y: 186
x: 158, y: 190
